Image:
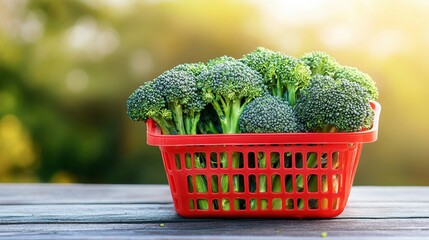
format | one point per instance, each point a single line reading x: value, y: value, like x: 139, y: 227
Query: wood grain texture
x: 82, y: 193
x: 42, y: 211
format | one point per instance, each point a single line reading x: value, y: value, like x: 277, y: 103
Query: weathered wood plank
x: 82, y: 193
x: 389, y: 194
x: 227, y: 229
x: 147, y: 213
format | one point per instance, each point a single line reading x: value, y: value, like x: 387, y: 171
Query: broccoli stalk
x: 228, y: 86
x: 209, y: 121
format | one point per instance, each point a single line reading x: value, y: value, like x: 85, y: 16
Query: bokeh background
x: 67, y: 68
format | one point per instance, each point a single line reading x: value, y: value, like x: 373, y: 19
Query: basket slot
x: 262, y: 183
x: 238, y: 183
x: 200, y: 160
x: 313, y: 203
x: 288, y: 182
x: 191, y: 204
x: 323, y: 184
x: 237, y: 160
x: 177, y: 161
x: 289, y: 204
x: 336, y: 183
x: 212, y: 160
x: 251, y: 160
x: 299, y: 183
x: 288, y: 159
x: 312, y: 160
x: 312, y: 183
x: 190, y: 184
x: 214, y: 185
x: 275, y: 160
x: 261, y: 159
x: 252, y: 183
x: 297, y: 163
x: 224, y: 160
x: 300, y: 203
x: 276, y: 204
x: 276, y: 186
x: 336, y: 203
x: 188, y: 161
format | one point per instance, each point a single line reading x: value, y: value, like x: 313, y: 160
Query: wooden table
x: 44, y: 211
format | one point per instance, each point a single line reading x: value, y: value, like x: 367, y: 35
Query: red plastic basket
x: 272, y: 170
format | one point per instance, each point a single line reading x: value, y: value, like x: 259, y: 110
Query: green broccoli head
x: 320, y: 63
x: 172, y: 100
x: 354, y: 75
x: 260, y: 60
x: 148, y: 102
x: 294, y: 76
x: 229, y: 87
x: 194, y: 101
x: 231, y: 80
x: 268, y: 114
x: 194, y: 68
x: 145, y: 102
x: 182, y: 97
x: 329, y: 105
x: 219, y: 60
x: 284, y: 76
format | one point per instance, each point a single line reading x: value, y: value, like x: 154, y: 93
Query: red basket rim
x: 156, y: 138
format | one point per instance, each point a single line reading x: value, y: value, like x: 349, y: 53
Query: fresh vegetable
x: 228, y: 86
x: 284, y: 75
x: 268, y: 114
x: 173, y: 101
x: 329, y: 105
x: 263, y: 92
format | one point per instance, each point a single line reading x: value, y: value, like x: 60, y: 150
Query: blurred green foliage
x: 67, y: 68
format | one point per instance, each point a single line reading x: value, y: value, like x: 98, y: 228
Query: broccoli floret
x: 268, y: 114
x: 146, y: 102
x: 260, y: 61
x: 320, y: 63
x: 285, y: 76
x: 229, y: 87
x: 172, y: 100
x: 219, y: 60
x: 354, y: 75
x: 329, y: 105
x: 182, y: 98
x: 194, y: 68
